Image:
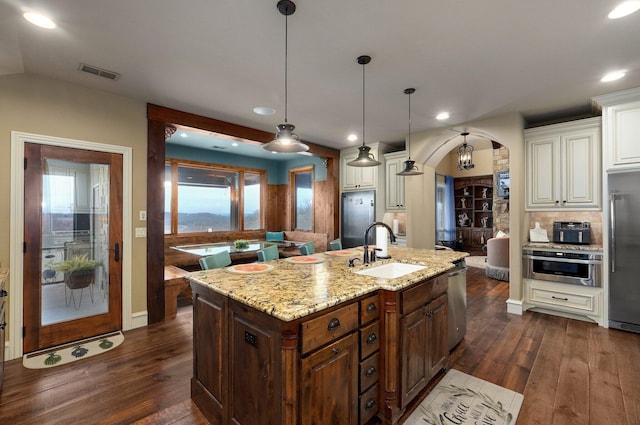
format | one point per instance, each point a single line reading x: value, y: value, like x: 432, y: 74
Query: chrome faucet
x: 365, y: 259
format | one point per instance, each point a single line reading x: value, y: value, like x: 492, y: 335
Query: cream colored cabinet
x: 620, y: 129
x: 394, y: 184
x: 563, y: 164
x: 564, y: 299
x: 357, y: 178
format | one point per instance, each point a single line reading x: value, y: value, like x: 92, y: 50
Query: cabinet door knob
x: 371, y: 371
x: 333, y: 324
x: 371, y: 339
x: 371, y: 308
x: 370, y: 404
x: 335, y: 351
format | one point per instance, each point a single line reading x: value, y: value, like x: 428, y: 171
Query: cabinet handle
x: 371, y: 371
x: 557, y: 202
x: 3, y: 293
x: 335, y: 351
x: 333, y: 324
x: 371, y: 308
x: 371, y: 339
x: 432, y: 313
x: 370, y: 404
x: 559, y: 298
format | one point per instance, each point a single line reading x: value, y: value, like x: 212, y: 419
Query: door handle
x: 116, y: 254
x: 612, y: 223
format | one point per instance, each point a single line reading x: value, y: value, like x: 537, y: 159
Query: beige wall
x: 49, y: 107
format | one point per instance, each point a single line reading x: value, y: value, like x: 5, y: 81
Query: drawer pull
x: 333, y: 324
x: 335, y: 351
x: 370, y: 404
x: 559, y: 298
x: 370, y: 372
x: 371, y: 339
x: 371, y: 308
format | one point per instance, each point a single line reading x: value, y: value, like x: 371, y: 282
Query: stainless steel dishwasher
x: 457, y: 305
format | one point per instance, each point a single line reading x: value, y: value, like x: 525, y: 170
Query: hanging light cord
x: 363, y: 138
x: 409, y: 138
x: 286, y: 57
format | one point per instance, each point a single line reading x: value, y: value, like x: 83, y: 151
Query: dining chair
x: 268, y: 253
x: 215, y: 261
x: 335, y: 245
x: 307, y: 248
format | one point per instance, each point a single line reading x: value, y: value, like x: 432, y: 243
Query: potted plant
x: 241, y: 244
x: 78, y: 270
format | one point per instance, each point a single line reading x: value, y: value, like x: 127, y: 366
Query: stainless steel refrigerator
x: 357, y: 213
x: 624, y: 251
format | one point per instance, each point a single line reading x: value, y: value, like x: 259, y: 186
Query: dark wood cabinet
x: 474, y: 210
x: 329, y: 384
x: 437, y: 339
x: 414, y: 336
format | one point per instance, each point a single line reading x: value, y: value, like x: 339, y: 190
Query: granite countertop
x: 563, y: 246
x: 291, y: 291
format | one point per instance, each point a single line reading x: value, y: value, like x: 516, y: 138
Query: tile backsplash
x: 546, y: 219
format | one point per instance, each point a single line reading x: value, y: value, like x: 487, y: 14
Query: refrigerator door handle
x: 612, y: 225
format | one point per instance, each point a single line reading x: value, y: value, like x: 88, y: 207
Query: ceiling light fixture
x: 410, y: 168
x: 465, y: 154
x: 365, y: 157
x: 442, y: 116
x: 39, y: 20
x: 624, y: 9
x: 286, y: 140
x: 613, y: 76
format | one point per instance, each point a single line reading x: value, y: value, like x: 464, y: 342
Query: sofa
x: 498, y: 258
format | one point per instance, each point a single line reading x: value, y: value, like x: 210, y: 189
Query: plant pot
x: 79, y: 278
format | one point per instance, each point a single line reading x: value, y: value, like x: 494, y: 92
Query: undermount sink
x: 391, y: 270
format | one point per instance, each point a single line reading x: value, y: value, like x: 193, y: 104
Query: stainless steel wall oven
x: 577, y: 268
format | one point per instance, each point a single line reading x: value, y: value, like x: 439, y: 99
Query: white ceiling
x: 222, y: 58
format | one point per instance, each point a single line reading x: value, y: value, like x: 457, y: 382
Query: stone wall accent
x: 500, y: 205
x: 546, y: 219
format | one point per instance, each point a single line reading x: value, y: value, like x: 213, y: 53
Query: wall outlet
x: 143, y: 216
x: 141, y: 232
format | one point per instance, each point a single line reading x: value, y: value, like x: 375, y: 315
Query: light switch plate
x: 141, y: 232
x: 143, y: 216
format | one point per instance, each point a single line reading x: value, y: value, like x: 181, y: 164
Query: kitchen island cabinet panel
x: 329, y: 381
x: 414, y: 367
x: 438, y: 341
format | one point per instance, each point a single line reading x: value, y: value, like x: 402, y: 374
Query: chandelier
x: 465, y: 154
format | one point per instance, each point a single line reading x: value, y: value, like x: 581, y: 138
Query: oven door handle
x: 561, y: 260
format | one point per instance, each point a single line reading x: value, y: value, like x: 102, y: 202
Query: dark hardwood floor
x: 570, y: 372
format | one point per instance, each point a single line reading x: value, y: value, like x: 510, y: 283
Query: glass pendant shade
x: 286, y: 141
x: 364, y: 159
x: 465, y: 155
x: 410, y: 168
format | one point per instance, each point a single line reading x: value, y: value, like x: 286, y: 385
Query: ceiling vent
x: 94, y: 70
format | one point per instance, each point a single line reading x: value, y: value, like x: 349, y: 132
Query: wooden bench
x: 174, y: 284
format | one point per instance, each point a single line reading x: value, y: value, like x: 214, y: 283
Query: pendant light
x: 365, y: 158
x: 410, y: 168
x: 465, y: 154
x: 286, y: 140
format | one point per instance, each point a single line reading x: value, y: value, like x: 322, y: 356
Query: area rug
x: 476, y: 261
x: 68, y: 353
x: 462, y: 399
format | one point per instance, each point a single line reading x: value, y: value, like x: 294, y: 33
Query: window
x: 301, y: 180
x: 208, y: 198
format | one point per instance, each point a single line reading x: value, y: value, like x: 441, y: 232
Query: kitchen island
x: 312, y: 342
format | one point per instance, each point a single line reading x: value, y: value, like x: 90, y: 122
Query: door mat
x: 476, y: 261
x: 465, y: 400
x: 73, y: 351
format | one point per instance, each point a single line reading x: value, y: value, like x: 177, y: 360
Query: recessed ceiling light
x: 274, y: 152
x: 40, y: 20
x: 264, y: 110
x: 185, y: 135
x: 442, y: 116
x: 624, y: 9
x: 352, y: 137
x: 613, y: 76
x: 234, y: 144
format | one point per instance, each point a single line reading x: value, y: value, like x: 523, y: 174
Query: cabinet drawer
x: 369, y: 309
x: 329, y: 327
x: 440, y: 286
x: 369, y: 339
x: 414, y: 298
x: 368, y: 404
x: 585, y: 303
x: 369, y: 372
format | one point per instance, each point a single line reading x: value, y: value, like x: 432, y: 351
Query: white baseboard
x: 139, y: 320
x: 514, y: 306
